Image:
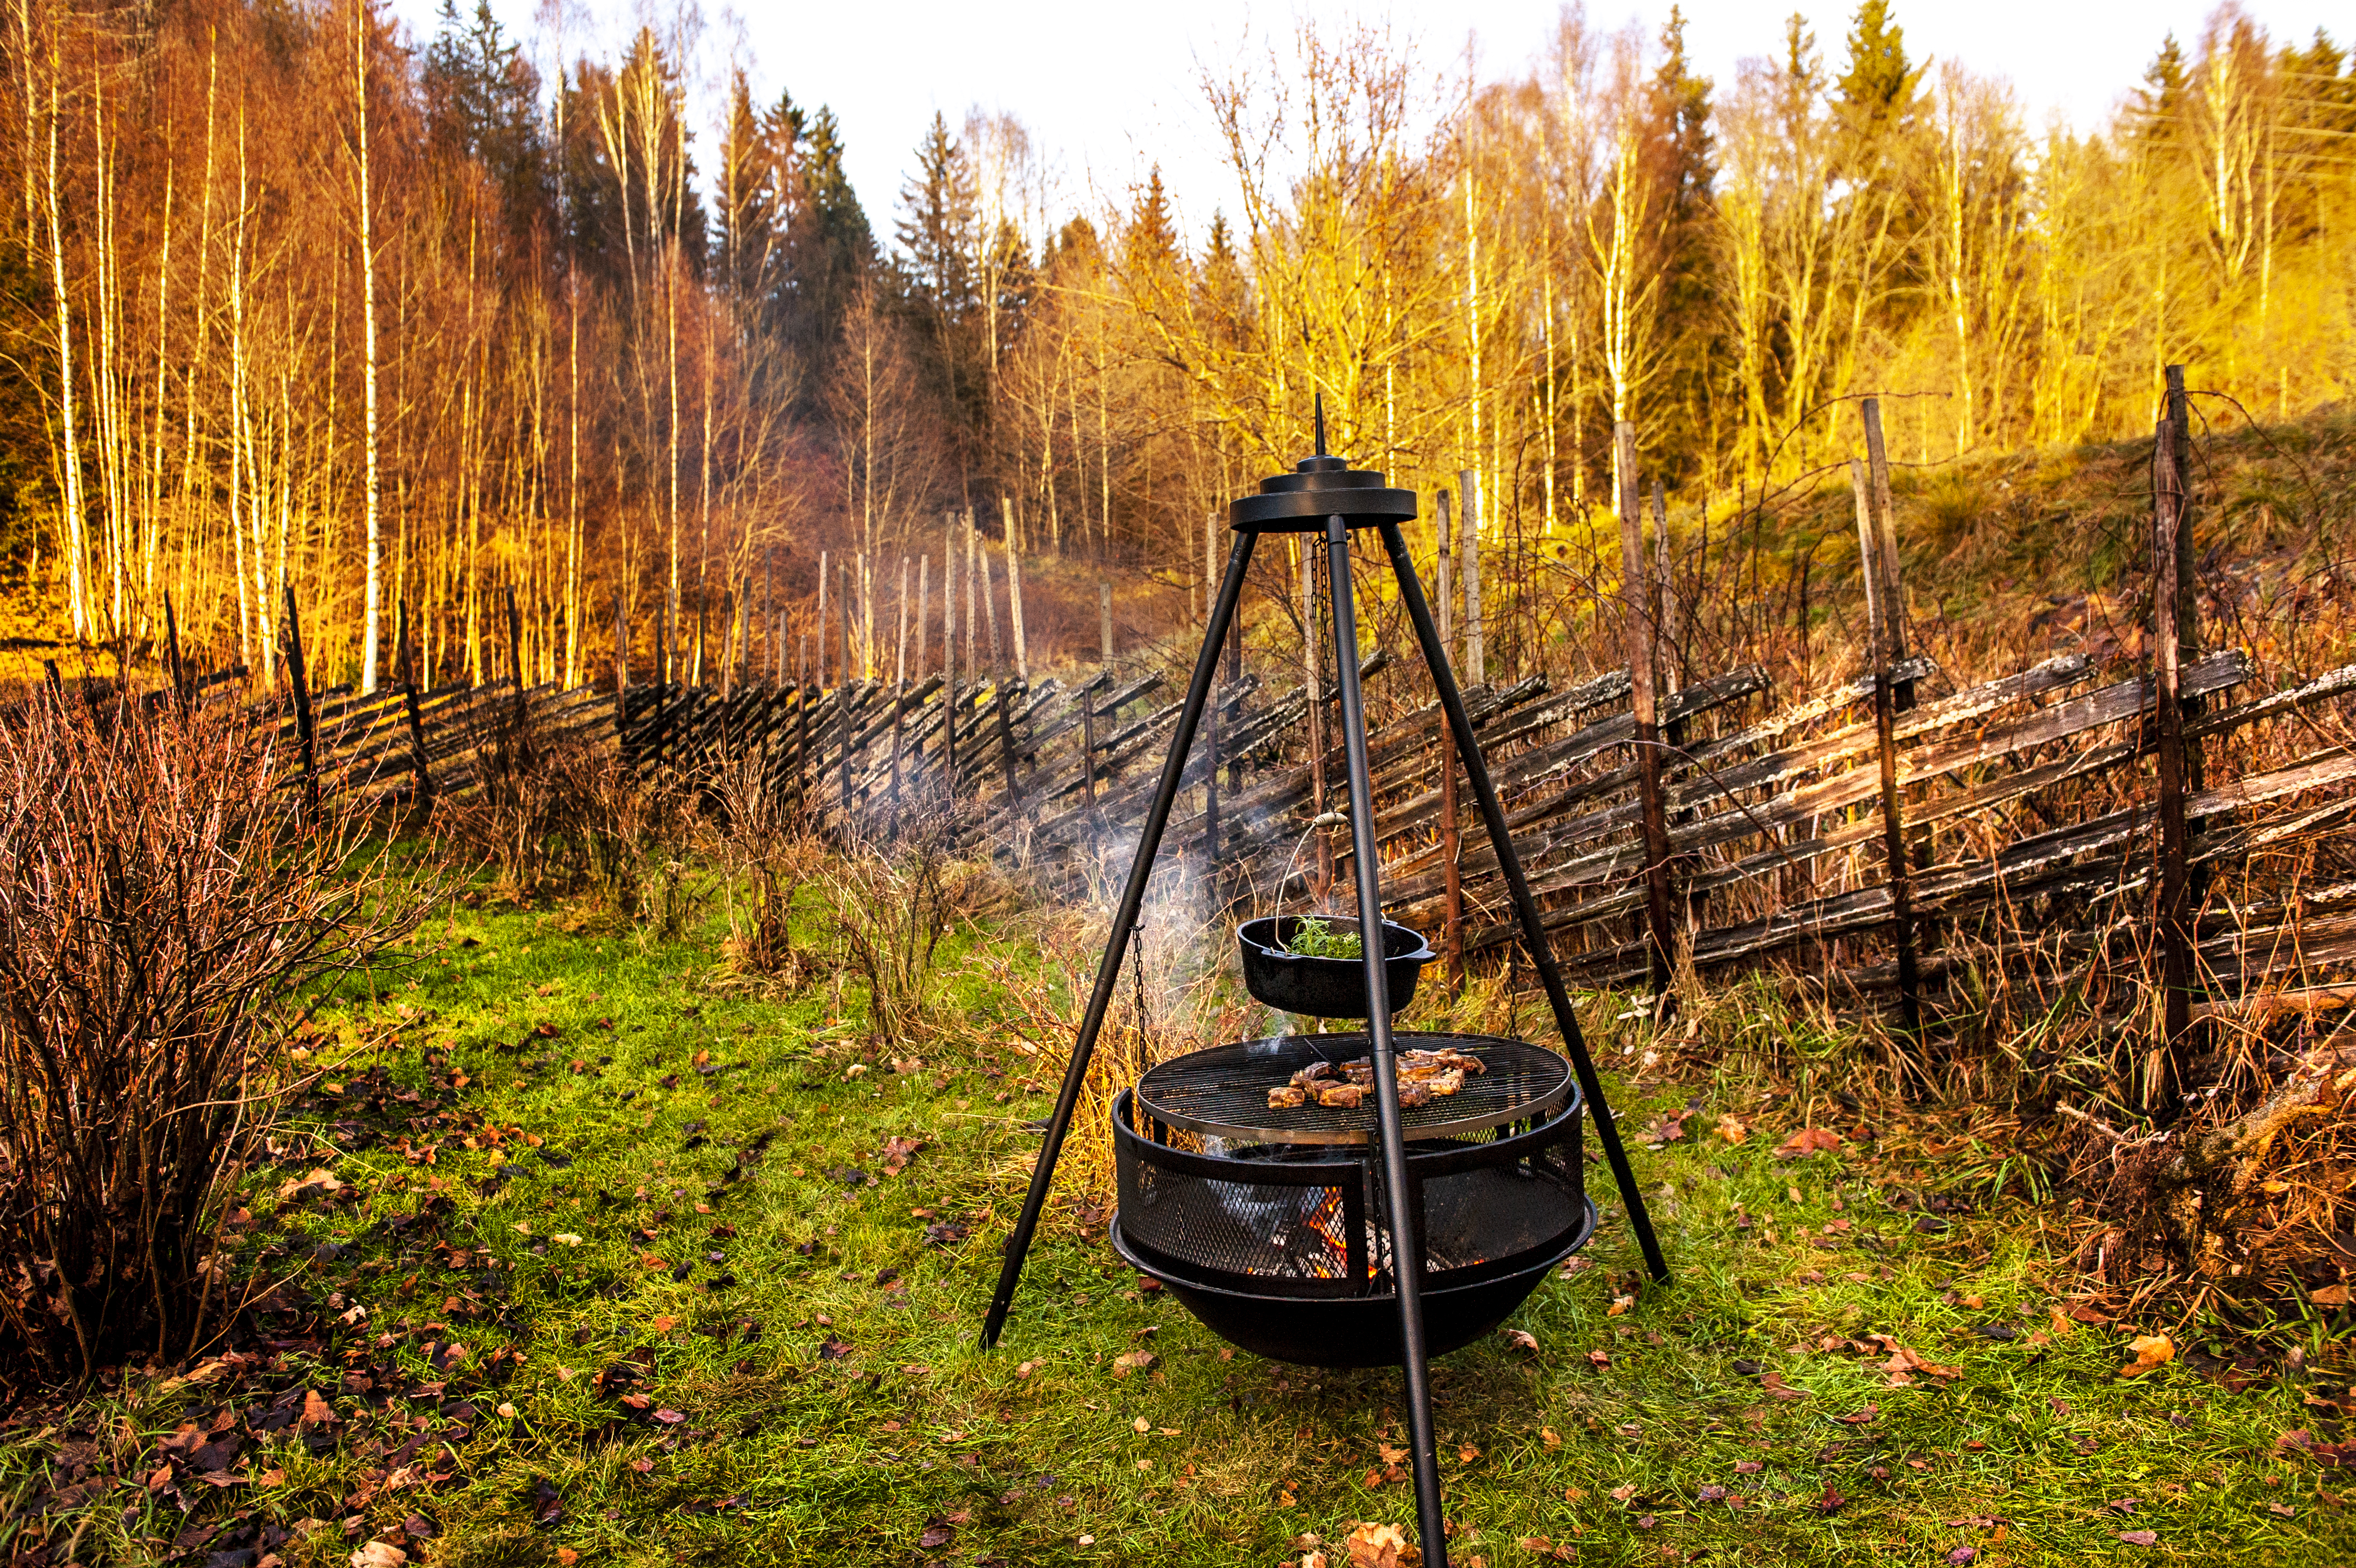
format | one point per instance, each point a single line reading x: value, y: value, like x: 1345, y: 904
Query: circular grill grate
x: 1223, y: 1091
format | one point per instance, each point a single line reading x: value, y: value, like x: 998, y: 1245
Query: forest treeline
x: 298, y: 304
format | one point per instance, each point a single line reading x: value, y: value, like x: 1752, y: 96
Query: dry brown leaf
x: 1808, y: 1141
x: 1132, y: 1361
x: 1772, y: 1382
x: 1732, y: 1131
x: 1546, y: 1434
x: 2150, y: 1351
x: 1599, y: 1358
x: 1388, y: 1453
x: 1620, y: 1303
x: 1380, y: 1546
x: 379, y: 1554
x: 1520, y: 1339
x: 2331, y: 1296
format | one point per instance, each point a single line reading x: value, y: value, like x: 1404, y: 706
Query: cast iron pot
x: 1325, y: 987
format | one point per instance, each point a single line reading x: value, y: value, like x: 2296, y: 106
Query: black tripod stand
x: 1323, y: 494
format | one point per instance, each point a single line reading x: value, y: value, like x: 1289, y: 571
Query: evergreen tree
x: 936, y: 230
x: 1879, y: 92
x: 482, y: 101
x: 829, y: 250
x: 1680, y: 153
x: 2160, y: 99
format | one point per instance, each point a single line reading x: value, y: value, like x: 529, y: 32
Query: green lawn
x: 630, y: 1264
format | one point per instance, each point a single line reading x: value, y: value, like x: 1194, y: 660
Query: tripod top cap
x: 1319, y: 488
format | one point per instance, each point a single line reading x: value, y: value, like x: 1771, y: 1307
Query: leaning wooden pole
x: 2163, y: 1075
x: 423, y: 793
x: 1885, y: 539
x: 1878, y: 620
x: 1660, y: 937
x: 1451, y: 835
x: 300, y: 681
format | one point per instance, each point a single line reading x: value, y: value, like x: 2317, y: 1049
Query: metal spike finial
x: 1321, y: 424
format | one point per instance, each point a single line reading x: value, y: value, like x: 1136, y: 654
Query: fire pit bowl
x: 1325, y: 987
x: 1279, y: 1242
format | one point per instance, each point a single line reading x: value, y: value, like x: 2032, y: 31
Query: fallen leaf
x: 1622, y: 1494
x: 2331, y: 1296
x: 1546, y: 1434
x: 379, y: 1554
x: 547, y: 1502
x: 1903, y: 1361
x: 1599, y: 1358
x: 1141, y: 1425
x: 1861, y: 1417
x: 1378, y: 1546
x: 1132, y: 1361
x: 1620, y: 1303
x: 1961, y: 1555
x: 1466, y: 1452
x: 316, y: 1411
x: 1772, y: 1382
x: 2140, y: 1537
x: 2150, y: 1351
x: 1520, y: 1339
x: 1808, y: 1141
x: 1732, y: 1131
x: 567, y: 1556
x: 936, y: 1534
x: 664, y: 1324
x: 1389, y: 1453
x: 1831, y: 1499
x: 834, y: 1349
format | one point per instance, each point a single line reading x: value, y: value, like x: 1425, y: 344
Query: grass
x: 762, y: 1348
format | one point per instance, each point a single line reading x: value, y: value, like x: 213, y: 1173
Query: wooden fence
x: 1865, y: 828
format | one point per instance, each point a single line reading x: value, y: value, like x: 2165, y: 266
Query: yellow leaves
x: 1548, y: 1436
x: 1731, y: 1130
x: 1620, y: 1303
x: 565, y: 1239
x: 2150, y: 1351
x: 1141, y: 1426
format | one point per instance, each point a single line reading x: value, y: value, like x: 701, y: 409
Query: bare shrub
x: 765, y: 856
x: 558, y: 814
x: 161, y: 902
x: 891, y: 901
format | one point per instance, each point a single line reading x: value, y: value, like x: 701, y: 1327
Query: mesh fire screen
x: 1295, y: 1221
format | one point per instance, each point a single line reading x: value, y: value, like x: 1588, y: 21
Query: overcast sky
x: 1108, y: 88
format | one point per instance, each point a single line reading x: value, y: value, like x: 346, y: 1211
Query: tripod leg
x: 1132, y: 897
x: 1526, y: 908
x: 1407, y: 1242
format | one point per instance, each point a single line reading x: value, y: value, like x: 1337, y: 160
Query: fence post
x: 407, y: 675
x: 842, y: 695
x: 1211, y: 772
x: 621, y: 656
x: 1881, y: 619
x: 1885, y: 533
x: 1014, y: 594
x: 2162, y: 1068
x: 900, y: 677
x: 997, y: 670
x: 1634, y: 577
x: 1468, y: 560
x: 301, y: 687
x: 1452, y: 840
x: 949, y: 662
x: 515, y: 659
x: 172, y: 653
